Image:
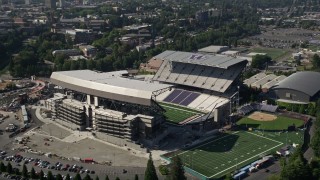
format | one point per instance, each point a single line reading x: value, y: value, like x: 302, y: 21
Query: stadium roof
x: 200, y: 59
x: 307, y: 82
x: 111, y: 85
x: 212, y: 49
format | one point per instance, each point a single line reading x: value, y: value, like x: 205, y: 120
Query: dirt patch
x: 259, y: 116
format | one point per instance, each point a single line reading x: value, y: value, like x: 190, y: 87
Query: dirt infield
x: 259, y: 116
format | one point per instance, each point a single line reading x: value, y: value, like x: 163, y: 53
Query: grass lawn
x: 272, y: 52
x: 177, y: 114
x: 281, y: 123
x: 234, y: 150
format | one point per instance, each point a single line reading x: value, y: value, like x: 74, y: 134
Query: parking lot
x: 115, y: 162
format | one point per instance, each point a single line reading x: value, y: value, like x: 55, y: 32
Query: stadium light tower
x: 238, y: 96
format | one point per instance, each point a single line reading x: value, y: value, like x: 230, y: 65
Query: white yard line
x: 265, y: 137
x: 208, y: 142
x: 245, y: 160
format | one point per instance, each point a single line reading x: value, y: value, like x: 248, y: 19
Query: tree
x: 315, y: 143
x: 59, y: 177
x: 16, y: 171
x: 150, y: 173
x: 136, y: 177
x: 259, y: 61
x: 67, y: 177
x: 50, y: 176
x: 87, y: 177
x: 177, y: 171
x: 24, y: 171
x: 117, y: 178
x: 316, y: 61
x: 2, y: 167
x: 97, y: 178
x: 9, y: 168
x: 297, y: 167
x: 107, y: 177
x: 33, y: 174
x: 77, y: 177
x: 41, y: 175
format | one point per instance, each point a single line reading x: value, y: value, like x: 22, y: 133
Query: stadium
x: 189, y: 90
x: 262, y: 130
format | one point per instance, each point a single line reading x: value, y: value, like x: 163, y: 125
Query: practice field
x: 225, y: 154
x: 269, y: 121
x: 272, y: 52
x: 177, y: 114
x: 232, y: 151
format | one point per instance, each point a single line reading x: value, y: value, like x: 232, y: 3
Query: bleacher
x: 209, y: 72
x: 202, y: 102
x: 248, y: 108
x: 181, y: 97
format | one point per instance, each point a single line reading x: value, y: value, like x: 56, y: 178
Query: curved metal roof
x: 109, y: 85
x: 307, y: 82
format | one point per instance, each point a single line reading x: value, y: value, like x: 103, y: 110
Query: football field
x: 177, y: 114
x: 228, y: 153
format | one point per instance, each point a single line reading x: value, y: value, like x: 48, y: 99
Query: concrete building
x: 299, y: 88
x: 109, y: 103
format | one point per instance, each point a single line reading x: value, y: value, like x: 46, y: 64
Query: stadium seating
x: 173, y: 95
x: 193, y: 76
x: 185, y: 73
x: 248, y: 108
x: 181, y: 97
x: 199, y: 101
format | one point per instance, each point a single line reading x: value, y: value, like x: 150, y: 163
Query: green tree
x: 107, y: 177
x: 297, y: 167
x: 3, y: 167
x: 9, y: 168
x: 59, y: 177
x: 316, y: 61
x: 87, y: 177
x: 259, y: 61
x: 315, y: 143
x: 117, y: 178
x: 136, y: 177
x: 67, y: 177
x: 41, y: 175
x: 24, y: 171
x: 97, y: 178
x: 33, y: 174
x: 50, y: 176
x: 16, y: 171
x: 177, y: 171
x: 150, y: 173
x: 77, y: 177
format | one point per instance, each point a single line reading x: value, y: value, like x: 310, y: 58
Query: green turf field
x: 273, y: 53
x: 281, y: 123
x: 235, y: 150
x: 177, y: 114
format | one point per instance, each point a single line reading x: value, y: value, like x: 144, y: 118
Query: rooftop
x: 307, y: 82
x: 212, y: 49
x: 111, y: 85
x: 200, y: 59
